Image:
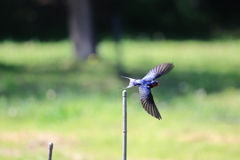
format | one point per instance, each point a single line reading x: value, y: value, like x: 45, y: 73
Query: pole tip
x: 124, y: 93
x: 50, y: 145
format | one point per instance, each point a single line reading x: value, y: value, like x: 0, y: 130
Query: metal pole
x: 50, y: 151
x: 124, y: 147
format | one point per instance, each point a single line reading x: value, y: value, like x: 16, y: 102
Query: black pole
x: 124, y: 149
x: 50, y: 151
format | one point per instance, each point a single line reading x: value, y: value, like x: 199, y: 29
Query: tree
x: 81, y: 28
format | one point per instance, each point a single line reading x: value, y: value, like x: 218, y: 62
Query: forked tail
x: 131, y: 82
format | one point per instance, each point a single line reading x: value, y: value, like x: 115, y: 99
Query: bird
x: 146, y: 83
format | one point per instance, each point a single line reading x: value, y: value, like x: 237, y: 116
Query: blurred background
x: 60, y: 68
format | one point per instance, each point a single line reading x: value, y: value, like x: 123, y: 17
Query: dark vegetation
x: 154, y: 19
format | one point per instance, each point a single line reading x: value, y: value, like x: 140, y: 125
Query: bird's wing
x: 158, y: 71
x: 148, y: 102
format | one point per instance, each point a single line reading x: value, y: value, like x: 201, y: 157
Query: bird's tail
x: 130, y: 82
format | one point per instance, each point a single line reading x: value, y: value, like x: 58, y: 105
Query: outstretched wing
x: 148, y: 102
x: 158, y: 71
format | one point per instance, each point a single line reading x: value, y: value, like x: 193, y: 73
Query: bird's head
x: 154, y: 83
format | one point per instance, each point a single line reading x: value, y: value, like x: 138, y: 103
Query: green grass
x: 46, y: 95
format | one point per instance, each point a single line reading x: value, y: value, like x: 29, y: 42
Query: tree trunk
x: 81, y: 29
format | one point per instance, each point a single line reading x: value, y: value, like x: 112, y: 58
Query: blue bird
x: 146, y: 83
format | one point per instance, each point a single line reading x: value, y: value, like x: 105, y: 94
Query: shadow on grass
x: 78, y: 78
x: 5, y: 67
x: 104, y: 79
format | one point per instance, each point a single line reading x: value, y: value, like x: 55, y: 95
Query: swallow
x: 146, y: 83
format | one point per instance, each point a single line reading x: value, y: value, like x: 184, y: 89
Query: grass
x: 48, y: 96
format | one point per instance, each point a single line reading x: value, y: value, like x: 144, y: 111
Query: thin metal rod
x: 50, y: 151
x: 124, y: 147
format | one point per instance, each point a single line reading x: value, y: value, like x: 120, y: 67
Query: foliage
x: 175, y: 19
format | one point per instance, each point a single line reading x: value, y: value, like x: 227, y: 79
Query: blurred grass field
x: 48, y: 96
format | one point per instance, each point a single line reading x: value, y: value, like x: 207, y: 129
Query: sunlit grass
x: 46, y: 95
x: 188, y: 55
x: 35, y: 53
